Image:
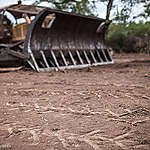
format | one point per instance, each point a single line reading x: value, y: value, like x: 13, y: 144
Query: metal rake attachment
x: 62, y: 40
x: 69, y: 59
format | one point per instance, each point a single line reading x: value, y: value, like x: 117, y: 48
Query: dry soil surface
x: 100, y: 108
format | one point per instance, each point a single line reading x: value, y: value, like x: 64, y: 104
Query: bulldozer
x: 48, y: 39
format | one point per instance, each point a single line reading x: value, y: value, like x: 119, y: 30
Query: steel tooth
x: 87, y: 59
x: 32, y: 66
x: 72, y: 59
x: 99, y: 56
x: 93, y: 56
x: 63, y: 57
x: 109, y: 56
x: 104, y: 55
x: 51, y: 63
x: 34, y: 61
x: 44, y: 58
x: 54, y: 57
x: 42, y: 64
x: 78, y: 54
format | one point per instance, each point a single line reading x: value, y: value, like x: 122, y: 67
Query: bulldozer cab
x: 22, y: 16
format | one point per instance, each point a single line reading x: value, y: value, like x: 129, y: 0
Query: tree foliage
x: 77, y: 6
x: 132, y: 38
x: 89, y: 7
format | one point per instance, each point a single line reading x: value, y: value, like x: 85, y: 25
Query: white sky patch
x: 100, y: 7
x: 5, y: 3
x: 46, y: 4
x: 137, y: 9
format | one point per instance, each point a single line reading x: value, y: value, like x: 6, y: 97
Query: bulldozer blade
x: 62, y: 40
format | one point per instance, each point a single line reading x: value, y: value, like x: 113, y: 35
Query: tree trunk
x: 109, y: 7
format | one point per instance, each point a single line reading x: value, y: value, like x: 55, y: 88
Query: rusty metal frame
x: 93, y: 44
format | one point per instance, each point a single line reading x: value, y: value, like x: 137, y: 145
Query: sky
x: 4, y: 3
x: 101, y: 7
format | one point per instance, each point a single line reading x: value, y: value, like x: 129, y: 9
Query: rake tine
x: 104, y: 54
x: 81, y: 61
x: 51, y: 63
x: 72, y: 58
x: 93, y: 56
x: 44, y: 58
x: 86, y: 57
x: 54, y: 57
x: 99, y: 56
x: 109, y: 56
x: 32, y: 66
x: 63, y: 57
x: 34, y: 61
x: 42, y: 64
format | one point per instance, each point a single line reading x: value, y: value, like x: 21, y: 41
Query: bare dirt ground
x: 99, y: 108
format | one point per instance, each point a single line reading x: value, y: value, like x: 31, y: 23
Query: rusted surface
x: 18, y: 10
x: 68, y: 31
x: 55, y: 33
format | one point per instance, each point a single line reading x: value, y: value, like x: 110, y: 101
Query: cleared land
x: 99, y: 108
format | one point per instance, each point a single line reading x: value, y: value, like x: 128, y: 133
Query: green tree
x: 88, y: 7
x: 77, y: 6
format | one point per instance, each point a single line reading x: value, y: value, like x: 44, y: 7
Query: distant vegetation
x: 132, y: 37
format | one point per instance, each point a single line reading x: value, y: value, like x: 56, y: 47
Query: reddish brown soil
x: 100, y: 108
